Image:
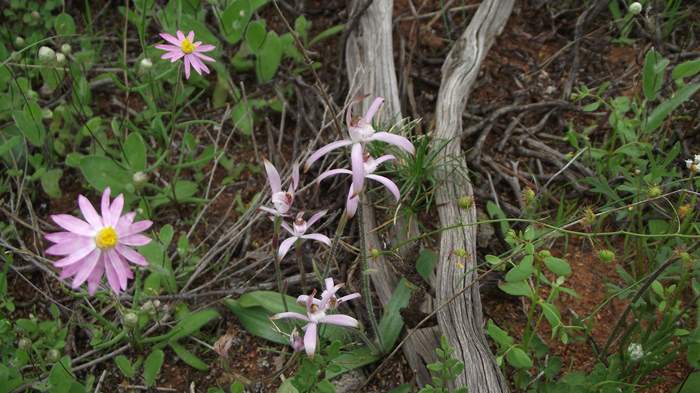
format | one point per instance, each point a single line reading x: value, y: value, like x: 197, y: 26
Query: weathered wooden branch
x: 461, y: 321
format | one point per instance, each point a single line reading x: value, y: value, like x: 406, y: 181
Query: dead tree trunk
x: 370, y: 67
x: 461, y: 320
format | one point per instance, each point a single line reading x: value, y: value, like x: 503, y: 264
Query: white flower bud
x: 66, y: 49
x: 635, y: 8
x: 19, y: 41
x: 635, y: 351
x: 46, y: 114
x: 146, y: 64
x: 139, y: 179
x: 60, y: 58
x: 46, y: 54
x: 130, y: 320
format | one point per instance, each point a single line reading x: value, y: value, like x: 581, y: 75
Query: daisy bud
x: 35, y: 15
x: 53, y: 355
x: 635, y: 8
x: 145, y: 64
x: 588, y: 217
x: 46, y: 54
x: 66, y: 49
x: 606, y: 256
x: 60, y: 58
x: 683, y: 210
x: 465, y: 202
x: 375, y: 253
x: 637, y: 172
x: 529, y: 196
x: 46, y: 114
x: 24, y: 343
x: 19, y: 42
x: 139, y: 178
x: 654, y: 191
x: 130, y: 320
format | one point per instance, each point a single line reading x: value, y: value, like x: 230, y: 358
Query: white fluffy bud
x: 66, y: 49
x: 46, y: 54
x: 60, y: 58
x: 635, y: 8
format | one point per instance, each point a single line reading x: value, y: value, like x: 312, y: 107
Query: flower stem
x: 300, y: 263
x: 366, y: 287
x: 335, y: 245
x: 278, y: 268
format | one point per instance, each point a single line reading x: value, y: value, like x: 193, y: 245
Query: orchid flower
x: 282, y: 200
x: 316, y: 315
x: 328, y: 296
x: 298, y: 231
x: 370, y: 165
x: 100, y: 245
x: 361, y: 132
x: 187, y: 48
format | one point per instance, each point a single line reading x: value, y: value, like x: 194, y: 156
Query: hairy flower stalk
x: 364, y: 277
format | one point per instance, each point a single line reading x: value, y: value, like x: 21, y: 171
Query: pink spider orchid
x: 282, y: 200
x: 316, y: 315
x: 370, y: 165
x: 100, y: 245
x: 361, y: 132
x: 187, y: 48
x: 298, y: 231
x: 328, y: 296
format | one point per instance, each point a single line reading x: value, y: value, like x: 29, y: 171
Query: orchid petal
x: 285, y: 246
x: 390, y: 185
x: 325, y: 150
x: 291, y: 315
x: 383, y: 159
x: 376, y: 104
x: 396, y: 140
x: 295, y: 179
x: 340, y: 320
x: 273, y: 177
x: 310, y: 339
x: 318, y: 237
x: 349, y: 297
x: 358, y: 168
x: 333, y: 172
x: 316, y: 217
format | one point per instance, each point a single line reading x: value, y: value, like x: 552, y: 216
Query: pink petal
x: 291, y: 315
x: 124, y: 223
x: 195, y: 63
x: 329, y: 285
x: 135, y: 240
x: 204, y: 57
x: 115, y: 260
x: 190, y: 36
x: 60, y: 237
x: 74, y: 225
x: 172, y: 56
x: 180, y: 36
x: 285, y: 246
x: 88, y: 267
x: 187, y: 67
x: 288, y: 228
x: 89, y: 213
x: 367, y: 118
x: 70, y: 271
x: 202, y: 67
x: 333, y: 172
x: 349, y: 297
x: 69, y: 247
x: 325, y: 150
x: 270, y: 211
x: 115, y: 211
x: 393, y: 139
x: 302, y: 299
x: 273, y: 177
x: 358, y: 167
x: 390, y: 185
x: 351, y: 204
x: 96, y: 276
x: 318, y: 237
x: 104, y: 205
x: 171, y: 39
x: 384, y: 158
x: 310, y: 339
x: 75, y: 257
x: 316, y: 217
x: 205, y: 48
x: 112, y: 277
x: 339, y: 320
x: 169, y: 48
x: 137, y: 227
x: 131, y: 255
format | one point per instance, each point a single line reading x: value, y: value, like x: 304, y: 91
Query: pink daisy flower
x: 99, y: 245
x: 187, y: 48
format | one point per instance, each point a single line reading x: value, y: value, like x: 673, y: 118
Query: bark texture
x: 461, y: 320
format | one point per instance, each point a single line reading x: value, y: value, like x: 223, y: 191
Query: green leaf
x: 426, y: 263
x: 135, y: 152
x: 30, y: 124
x: 403, y: 388
x: 661, y: 112
x: 558, y: 266
x: 691, y: 383
x: 192, y: 322
x: 101, y: 172
x: 188, y: 357
x: 686, y: 69
x: 325, y: 34
x: 255, y: 36
x: 302, y: 26
x: 50, y: 182
x: 238, y: 387
x: 64, y: 24
x: 125, y: 366
x: 653, y: 74
x: 242, y: 116
x: 268, y: 57
x: 522, y: 271
x: 495, y: 212
x: 61, y: 380
x: 152, y: 366
x: 287, y: 387
x: 518, y: 358
x: 498, y: 335
x: 552, y: 314
x: 10, y: 144
x: 391, y: 324
x: 256, y: 320
x: 235, y: 18
x: 519, y: 288
x: 351, y: 360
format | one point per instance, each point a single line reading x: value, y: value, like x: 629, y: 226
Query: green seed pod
x: 53, y: 355
x: 130, y: 320
x: 375, y: 253
x: 465, y: 202
x: 606, y: 256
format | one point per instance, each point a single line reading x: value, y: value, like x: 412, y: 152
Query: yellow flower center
x: 187, y: 46
x: 106, y: 238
